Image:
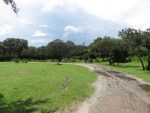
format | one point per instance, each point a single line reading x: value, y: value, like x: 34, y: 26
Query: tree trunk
x: 110, y: 61
x: 103, y: 59
x: 138, y: 55
x: 148, y: 65
x: 17, y: 59
x: 9, y: 55
x: 141, y: 62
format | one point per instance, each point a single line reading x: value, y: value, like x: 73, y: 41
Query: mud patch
x: 145, y: 87
x: 120, y: 75
x: 124, y: 77
x: 102, y: 73
x: 113, y: 72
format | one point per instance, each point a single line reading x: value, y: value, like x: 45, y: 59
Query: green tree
x: 96, y: 48
x: 70, y: 46
x: 79, y: 51
x: 120, y: 52
x: 14, y: 47
x: 9, y: 44
x: 3, y: 55
x: 20, y: 44
x: 42, y: 53
x: 133, y: 38
x: 57, y: 49
x: 32, y: 52
x: 146, y: 40
x: 106, y: 47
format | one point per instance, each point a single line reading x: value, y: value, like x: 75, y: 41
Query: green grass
x: 36, y: 87
x: 132, y: 68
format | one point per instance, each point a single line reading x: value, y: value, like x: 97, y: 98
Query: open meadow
x: 42, y: 87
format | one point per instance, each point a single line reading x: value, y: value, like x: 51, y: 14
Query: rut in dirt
x: 118, y: 93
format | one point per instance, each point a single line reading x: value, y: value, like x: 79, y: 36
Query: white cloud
x: 39, y: 34
x: 24, y: 21
x: 51, y: 4
x: 29, y: 2
x: 5, y: 29
x: 40, y: 40
x: 43, y: 25
x: 131, y: 12
x: 72, y: 29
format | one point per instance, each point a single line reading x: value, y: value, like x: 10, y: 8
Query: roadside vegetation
x: 131, y: 68
x: 42, y: 87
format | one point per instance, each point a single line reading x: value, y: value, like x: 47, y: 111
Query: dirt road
x: 116, y: 93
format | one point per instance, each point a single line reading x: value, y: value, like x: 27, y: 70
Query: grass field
x: 133, y: 68
x: 42, y: 87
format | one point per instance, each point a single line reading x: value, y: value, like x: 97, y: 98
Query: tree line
x: 15, y: 48
x: 131, y: 43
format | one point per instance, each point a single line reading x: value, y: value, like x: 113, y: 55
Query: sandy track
x: 116, y: 93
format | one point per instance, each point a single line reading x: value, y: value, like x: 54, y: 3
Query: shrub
x: 90, y: 60
x: 97, y: 60
x: 24, y: 60
x: 65, y: 60
x: 72, y: 60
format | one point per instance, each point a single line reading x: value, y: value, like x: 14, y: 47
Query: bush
x: 90, y: 60
x: 24, y: 60
x: 17, y: 61
x: 72, y: 60
x: 65, y: 60
x: 97, y: 60
x: 58, y: 63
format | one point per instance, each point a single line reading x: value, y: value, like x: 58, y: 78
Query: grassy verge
x: 42, y: 87
x: 133, y: 68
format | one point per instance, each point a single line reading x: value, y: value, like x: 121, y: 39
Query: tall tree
x: 57, y: 49
x: 146, y: 40
x: 20, y: 44
x: 42, y: 53
x: 3, y: 55
x: 106, y: 47
x: 9, y: 44
x: 70, y: 46
x: 133, y: 38
x: 14, y: 47
x: 120, y: 52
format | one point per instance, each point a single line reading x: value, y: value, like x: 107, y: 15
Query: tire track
x: 116, y: 93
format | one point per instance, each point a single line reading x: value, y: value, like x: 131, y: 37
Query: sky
x: 42, y: 21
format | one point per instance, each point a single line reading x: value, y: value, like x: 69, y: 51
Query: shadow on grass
x: 23, y: 106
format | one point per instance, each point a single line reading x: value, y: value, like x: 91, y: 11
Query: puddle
x: 102, y: 73
x: 121, y: 75
x: 124, y: 77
